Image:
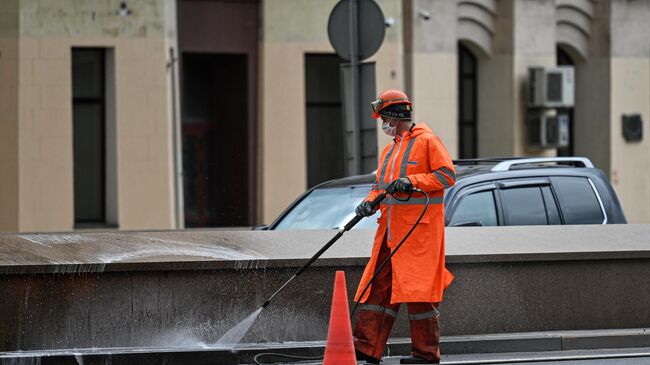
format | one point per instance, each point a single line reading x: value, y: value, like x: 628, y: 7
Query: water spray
x: 347, y: 227
x: 237, y: 333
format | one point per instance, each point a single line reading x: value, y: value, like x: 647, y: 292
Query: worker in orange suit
x: 416, y: 274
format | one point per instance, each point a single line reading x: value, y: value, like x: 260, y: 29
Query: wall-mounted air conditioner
x: 547, y: 129
x: 551, y: 87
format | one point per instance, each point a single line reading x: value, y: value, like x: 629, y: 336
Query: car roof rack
x: 476, y: 161
x: 575, y: 161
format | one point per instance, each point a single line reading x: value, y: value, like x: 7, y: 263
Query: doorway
x: 215, y: 139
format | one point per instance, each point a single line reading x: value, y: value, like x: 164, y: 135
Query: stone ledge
x: 240, y: 250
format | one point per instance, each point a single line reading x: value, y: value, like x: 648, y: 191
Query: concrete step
x: 483, y: 344
x: 473, y: 348
x: 625, y: 356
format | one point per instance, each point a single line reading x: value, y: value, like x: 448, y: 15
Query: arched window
x: 467, y: 91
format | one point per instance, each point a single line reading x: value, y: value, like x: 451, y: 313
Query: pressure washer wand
x: 346, y: 228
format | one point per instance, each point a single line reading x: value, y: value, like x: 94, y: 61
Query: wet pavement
x: 626, y: 356
x: 579, y: 347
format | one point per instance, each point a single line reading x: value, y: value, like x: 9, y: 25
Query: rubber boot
x: 371, y: 332
x: 368, y: 359
x: 424, y: 320
x: 417, y: 360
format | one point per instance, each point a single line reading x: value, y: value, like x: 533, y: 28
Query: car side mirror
x: 468, y: 224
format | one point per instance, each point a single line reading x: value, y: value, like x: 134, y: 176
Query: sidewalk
x: 628, y: 356
x: 459, y: 349
x: 479, y: 349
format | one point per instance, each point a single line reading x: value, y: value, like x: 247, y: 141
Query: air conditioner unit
x: 551, y: 87
x: 548, y: 130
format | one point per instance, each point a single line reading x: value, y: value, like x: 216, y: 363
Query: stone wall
x: 165, y: 289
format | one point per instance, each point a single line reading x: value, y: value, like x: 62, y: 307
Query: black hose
x: 301, y: 358
x: 426, y: 205
x: 290, y: 358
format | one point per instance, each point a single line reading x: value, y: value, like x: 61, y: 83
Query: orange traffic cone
x: 340, y: 348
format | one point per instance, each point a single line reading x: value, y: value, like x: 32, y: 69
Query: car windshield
x: 328, y: 208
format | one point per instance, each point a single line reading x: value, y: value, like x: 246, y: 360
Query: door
x: 215, y: 143
x: 218, y: 46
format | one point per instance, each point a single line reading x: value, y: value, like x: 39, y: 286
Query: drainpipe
x: 176, y: 147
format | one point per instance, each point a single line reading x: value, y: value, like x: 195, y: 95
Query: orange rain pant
x: 376, y: 316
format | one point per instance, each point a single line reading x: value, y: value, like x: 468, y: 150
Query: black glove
x: 365, y: 209
x: 401, y: 185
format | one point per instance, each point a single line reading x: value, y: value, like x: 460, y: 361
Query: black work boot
x: 417, y: 360
x: 368, y: 359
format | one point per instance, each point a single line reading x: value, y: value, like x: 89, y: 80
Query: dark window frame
x: 555, y: 201
x: 465, y: 55
x: 308, y: 58
x: 537, y: 181
x: 525, y: 186
x: 593, y: 189
x: 101, y: 100
x: 473, y: 189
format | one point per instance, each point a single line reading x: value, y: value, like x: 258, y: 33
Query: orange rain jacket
x: 418, y: 268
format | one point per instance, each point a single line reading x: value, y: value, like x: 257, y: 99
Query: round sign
x: 371, y: 28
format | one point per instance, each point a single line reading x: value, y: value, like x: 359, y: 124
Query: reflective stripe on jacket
x: 418, y: 268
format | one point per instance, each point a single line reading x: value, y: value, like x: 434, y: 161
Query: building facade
x: 164, y: 114
x: 85, y: 115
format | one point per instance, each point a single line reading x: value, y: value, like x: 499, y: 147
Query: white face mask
x: 391, y: 131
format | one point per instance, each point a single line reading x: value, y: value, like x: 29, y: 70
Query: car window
x: 577, y: 200
x: 523, y: 206
x: 328, y: 208
x: 476, y: 207
x: 552, y: 211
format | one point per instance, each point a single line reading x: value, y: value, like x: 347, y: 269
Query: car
x: 488, y: 192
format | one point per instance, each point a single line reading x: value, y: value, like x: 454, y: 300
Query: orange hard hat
x: 388, y: 98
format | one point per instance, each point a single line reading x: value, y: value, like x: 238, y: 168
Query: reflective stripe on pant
x: 424, y: 320
x: 375, y: 318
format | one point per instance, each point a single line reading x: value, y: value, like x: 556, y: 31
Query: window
x: 523, y: 206
x: 476, y: 208
x: 328, y: 208
x: 467, y: 91
x: 564, y: 59
x: 89, y: 140
x: 325, y: 129
x: 578, y: 200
